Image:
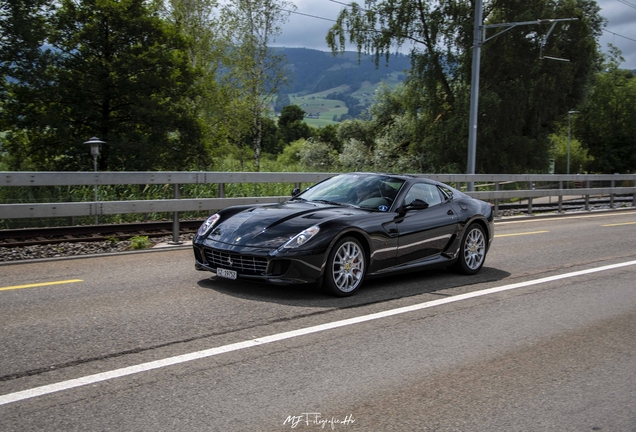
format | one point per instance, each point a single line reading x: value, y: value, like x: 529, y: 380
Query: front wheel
x: 345, y: 267
x: 472, y: 252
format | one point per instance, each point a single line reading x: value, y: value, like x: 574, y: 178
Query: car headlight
x: 208, y: 224
x: 301, y: 238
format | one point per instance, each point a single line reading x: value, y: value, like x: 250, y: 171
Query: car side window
x: 425, y: 192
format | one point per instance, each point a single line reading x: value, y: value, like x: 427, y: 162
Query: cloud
x: 621, y: 29
x: 308, y: 27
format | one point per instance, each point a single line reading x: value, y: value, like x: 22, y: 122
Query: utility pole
x: 474, y: 91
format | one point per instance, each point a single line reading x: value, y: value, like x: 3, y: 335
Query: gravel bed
x: 67, y: 249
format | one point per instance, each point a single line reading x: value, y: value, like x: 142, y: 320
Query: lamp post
x: 94, y: 142
x: 569, y: 130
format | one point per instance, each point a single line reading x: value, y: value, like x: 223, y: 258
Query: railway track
x: 91, y: 233
x: 94, y: 233
x: 569, y: 205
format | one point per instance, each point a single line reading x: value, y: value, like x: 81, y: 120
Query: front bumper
x: 264, y: 265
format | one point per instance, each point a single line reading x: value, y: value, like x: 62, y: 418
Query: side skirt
x: 438, y: 260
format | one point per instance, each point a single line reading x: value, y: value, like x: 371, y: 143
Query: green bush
x: 139, y: 242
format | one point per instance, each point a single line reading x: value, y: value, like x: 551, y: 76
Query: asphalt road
x: 543, y: 339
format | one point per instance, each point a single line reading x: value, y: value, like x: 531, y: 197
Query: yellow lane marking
x: 40, y: 284
x: 619, y: 224
x: 522, y: 233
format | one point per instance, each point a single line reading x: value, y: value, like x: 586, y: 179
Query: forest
x: 196, y: 85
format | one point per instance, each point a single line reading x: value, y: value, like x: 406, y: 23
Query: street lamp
x: 569, y: 130
x: 94, y: 142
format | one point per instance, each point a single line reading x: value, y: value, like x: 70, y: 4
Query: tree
x: 521, y: 95
x: 24, y: 27
x: 387, y: 141
x: 257, y: 71
x: 329, y: 135
x: 579, y: 158
x: 269, y: 137
x: 605, y: 124
x: 109, y: 68
x: 292, y: 126
x: 198, y: 22
x: 317, y: 156
x: 281, y: 102
x: 525, y: 96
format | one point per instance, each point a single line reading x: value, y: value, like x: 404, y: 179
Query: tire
x: 345, y: 268
x: 472, y: 253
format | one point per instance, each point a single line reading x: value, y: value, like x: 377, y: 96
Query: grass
x: 316, y: 105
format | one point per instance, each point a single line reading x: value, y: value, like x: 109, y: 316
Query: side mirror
x: 416, y: 204
x: 295, y: 192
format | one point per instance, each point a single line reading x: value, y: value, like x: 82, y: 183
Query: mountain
x: 313, y: 71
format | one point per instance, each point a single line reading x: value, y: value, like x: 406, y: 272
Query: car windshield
x: 361, y: 190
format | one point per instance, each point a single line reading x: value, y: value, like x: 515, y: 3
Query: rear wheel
x: 345, y: 267
x: 472, y: 252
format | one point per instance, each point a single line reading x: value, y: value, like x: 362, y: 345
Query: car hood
x: 272, y: 225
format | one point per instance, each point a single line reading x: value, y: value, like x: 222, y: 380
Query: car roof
x: 405, y: 177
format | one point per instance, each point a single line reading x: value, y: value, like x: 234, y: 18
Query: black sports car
x: 348, y: 228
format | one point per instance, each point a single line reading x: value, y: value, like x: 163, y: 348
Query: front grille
x: 243, y: 264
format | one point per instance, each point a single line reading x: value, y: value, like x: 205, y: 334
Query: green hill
x: 315, y: 75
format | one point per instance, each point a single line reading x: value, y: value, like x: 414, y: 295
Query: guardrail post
x: 95, y: 187
x: 587, y: 197
x: 531, y: 187
x: 612, y: 195
x: 560, y: 196
x: 496, y: 199
x: 175, y: 218
x: 221, y: 194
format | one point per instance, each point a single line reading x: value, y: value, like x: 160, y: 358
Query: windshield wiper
x: 331, y: 203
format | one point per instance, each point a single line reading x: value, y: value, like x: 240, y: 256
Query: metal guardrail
x: 65, y: 209
x: 176, y: 205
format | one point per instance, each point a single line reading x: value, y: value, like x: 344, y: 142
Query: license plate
x: 227, y: 274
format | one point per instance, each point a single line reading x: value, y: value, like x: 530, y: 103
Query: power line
x: 619, y: 35
x: 318, y: 17
x: 627, y: 3
x: 340, y: 3
x: 307, y: 15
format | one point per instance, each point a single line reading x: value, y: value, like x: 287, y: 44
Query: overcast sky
x: 310, y: 31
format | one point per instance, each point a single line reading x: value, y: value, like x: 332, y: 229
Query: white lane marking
x: 144, y: 367
x: 520, y: 234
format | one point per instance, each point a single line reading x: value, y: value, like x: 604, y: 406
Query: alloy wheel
x: 348, y: 266
x: 475, y: 248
